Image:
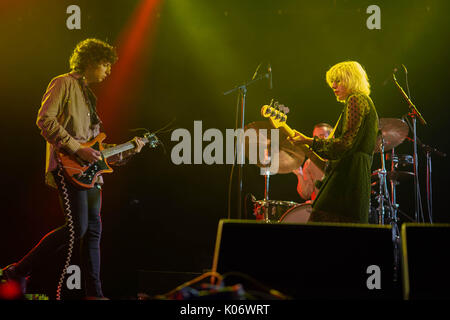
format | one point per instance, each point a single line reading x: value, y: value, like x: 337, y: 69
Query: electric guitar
x: 84, y: 174
x: 278, y: 120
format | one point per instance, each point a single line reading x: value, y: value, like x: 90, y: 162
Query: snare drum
x: 297, y: 214
x: 271, y: 210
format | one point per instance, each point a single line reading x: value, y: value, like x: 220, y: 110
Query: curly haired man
x: 68, y: 118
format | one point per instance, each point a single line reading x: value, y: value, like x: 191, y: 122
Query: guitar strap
x: 91, y: 101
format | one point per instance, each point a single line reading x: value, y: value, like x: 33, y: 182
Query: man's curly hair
x: 91, y: 52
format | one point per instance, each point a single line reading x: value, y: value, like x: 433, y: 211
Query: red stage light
x: 118, y: 92
x: 10, y: 290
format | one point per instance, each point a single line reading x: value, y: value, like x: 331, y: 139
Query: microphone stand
x: 413, y: 114
x: 428, y: 151
x: 242, y: 93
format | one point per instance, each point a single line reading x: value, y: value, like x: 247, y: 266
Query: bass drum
x: 297, y: 214
x: 271, y: 210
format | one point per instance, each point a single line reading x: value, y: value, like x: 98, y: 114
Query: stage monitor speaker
x: 426, y: 261
x: 309, y: 261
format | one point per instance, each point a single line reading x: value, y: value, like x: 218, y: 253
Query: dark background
x: 162, y: 217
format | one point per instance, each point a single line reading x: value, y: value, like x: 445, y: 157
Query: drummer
x: 309, y: 174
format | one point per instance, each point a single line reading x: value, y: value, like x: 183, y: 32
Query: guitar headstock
x: 277, y: 117
x: 152, y: 140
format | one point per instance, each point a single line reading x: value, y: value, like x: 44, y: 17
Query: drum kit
x: 392, y: 132
x: 290, y: 157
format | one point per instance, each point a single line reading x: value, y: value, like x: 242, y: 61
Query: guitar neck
x: 314, y: 157
x: 288, y: 130
x: 120, y: 148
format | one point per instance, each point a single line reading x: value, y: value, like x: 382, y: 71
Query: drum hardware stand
x: 242, y: 94
x: 392, y: 217
x: 394, y: 183
x: 267, y: 159
x: 397, y: 245
x: 418, y: 202
x: 266, y: 195
x: 381, y: 197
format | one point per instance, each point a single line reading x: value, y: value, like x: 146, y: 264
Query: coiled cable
x: 69, y: 220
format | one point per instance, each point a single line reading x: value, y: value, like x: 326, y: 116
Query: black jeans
x: 85, y: 206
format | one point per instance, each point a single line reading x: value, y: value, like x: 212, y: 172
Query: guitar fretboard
x: 120, y: 148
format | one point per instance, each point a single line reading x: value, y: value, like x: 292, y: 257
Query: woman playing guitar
x: 344, y: 195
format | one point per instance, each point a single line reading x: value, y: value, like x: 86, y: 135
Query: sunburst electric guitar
x: 84, y: 174
x: 278, y: 119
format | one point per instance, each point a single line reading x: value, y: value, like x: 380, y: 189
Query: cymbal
x: 393, y: 130
x: 398, y: 176
x: 290, y: 156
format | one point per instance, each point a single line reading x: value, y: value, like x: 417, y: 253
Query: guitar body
x: 85, y: 175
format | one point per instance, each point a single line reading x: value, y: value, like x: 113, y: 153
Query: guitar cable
x: 68, y: 213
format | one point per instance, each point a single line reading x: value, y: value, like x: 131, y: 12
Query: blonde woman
x: 345, y: 193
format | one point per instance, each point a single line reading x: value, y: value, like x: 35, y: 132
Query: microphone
x: 402, y: 91
x: 269, y: 69
x: 405, y: 96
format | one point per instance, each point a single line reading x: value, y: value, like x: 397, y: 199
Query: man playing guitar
x: 68, y: 120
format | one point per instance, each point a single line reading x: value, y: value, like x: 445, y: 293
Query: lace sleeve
x: 355, y: 109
